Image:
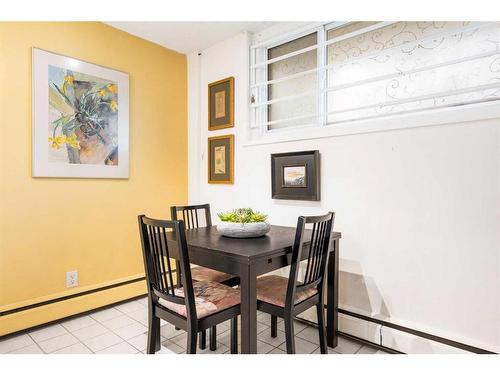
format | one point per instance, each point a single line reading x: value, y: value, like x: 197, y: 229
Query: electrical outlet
x: 71, y: 279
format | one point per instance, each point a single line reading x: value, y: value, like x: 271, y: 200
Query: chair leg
x: 203, y: 340
x: 178, y: 274
x: 192, y: 335
x: 153, y: 334
x: 234, y: 335
x: 321, y: 327
x: 274, y: 326
x: 213, y: 338
x: 290, y: 337
x: 178, y: 280
x: 158, y: 338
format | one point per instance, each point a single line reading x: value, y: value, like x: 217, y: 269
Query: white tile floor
x: 122, y: 329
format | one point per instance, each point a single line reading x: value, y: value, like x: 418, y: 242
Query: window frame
x: 275, y: 43
x: 322, y: 88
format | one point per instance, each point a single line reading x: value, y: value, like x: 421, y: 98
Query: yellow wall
x: 49, y: 226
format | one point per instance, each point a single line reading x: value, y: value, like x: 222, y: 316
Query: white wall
x: 419, y: 211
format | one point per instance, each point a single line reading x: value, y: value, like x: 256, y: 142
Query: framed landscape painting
x: 221, y: 159
x: 221, y: 104
x: 296, y: 175
x: 80, y: 118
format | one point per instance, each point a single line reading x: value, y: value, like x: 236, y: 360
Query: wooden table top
x: 279, y: 240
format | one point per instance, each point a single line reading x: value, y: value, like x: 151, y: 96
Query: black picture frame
x: 305, y: 186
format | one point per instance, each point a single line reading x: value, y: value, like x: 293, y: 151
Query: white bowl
x: 243, y: 230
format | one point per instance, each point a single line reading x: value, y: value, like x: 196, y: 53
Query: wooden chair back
x: 317, y: 258
x: 157, y: 264
x: 190, y: 215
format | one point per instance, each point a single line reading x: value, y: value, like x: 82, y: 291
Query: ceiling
x: 185, y: 37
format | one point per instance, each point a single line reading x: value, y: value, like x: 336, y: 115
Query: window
x: 348, y: 71
x: 295, y: 76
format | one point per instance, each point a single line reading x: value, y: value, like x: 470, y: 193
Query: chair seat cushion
x: 272, y: 289
x: 207, y: 274
x: 210, y: 298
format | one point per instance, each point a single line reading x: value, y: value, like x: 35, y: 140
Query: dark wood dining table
x: 249, y: 258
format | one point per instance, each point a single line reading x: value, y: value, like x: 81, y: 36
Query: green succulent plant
x: 242, y: 215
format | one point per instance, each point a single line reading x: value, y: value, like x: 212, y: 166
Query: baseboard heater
x: 70, y: 296
x: 414, y: 332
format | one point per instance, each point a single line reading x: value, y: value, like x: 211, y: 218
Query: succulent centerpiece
x: 243, y: 223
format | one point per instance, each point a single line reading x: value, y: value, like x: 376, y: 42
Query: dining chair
x: 197, y: 216
x: 193, y: 307
x: 287, y: 297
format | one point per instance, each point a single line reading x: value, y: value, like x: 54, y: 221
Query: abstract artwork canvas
x: 80, y: 118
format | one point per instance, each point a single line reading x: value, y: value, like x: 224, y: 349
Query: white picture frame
x: 115, y: 95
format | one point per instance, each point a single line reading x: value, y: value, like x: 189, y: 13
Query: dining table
x: 249, y: 258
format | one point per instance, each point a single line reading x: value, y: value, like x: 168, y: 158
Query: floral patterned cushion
x: 210, y: 297
x: 207, y: 274
x: 272, y: 289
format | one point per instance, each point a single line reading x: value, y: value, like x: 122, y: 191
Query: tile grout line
x: 36, y: 343
x: 67, y: 330
x: 309, y: 341
x: 43, y: 351
x: 111, y: 331
x: 127, y: 325
x: 116, y: 343
x: 361, y: 347
x: 29, y: 334
x: 23, y: 332
x: 39, y: 347
x: 102, y: 325
x: 131, y: 317
x: 78, y: 340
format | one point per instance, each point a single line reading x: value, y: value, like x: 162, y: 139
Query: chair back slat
x: 190, y: 215
x: 309, y: 263
x: 157, y: 261
x: 169, y: 263
x: 316, y: 256
x: 156, y: 278
x: 197, y: 224
x: 319, y: 245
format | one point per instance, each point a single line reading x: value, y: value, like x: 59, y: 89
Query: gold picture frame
x: 221, y: 104
x: 221, y: 159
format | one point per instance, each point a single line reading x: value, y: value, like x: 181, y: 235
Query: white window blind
x: 360, y: 70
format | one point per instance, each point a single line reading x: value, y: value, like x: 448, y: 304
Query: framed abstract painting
x: 221, y: 104
x: 221, y: 159
x: 296, y: 175
x: 80, y: 118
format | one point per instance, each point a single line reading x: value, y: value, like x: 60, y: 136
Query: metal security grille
x: 348, y: 71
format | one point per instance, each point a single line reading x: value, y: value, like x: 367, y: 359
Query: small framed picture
x: 296, y: 175
x: 221, y: 104
x: 221, y: 159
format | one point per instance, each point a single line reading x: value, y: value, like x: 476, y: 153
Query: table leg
x: 248, y: 311
x: 332, y: 310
